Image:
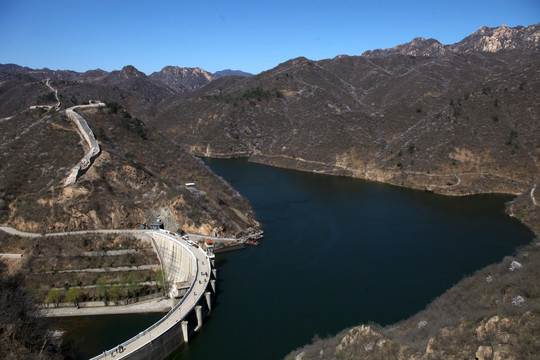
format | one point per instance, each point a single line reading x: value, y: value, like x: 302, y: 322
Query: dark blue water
x: 89, y: 336
x: 338, y: 252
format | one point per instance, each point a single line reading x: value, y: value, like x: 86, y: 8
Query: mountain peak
x: 501, y: 38
x: 484, y: 39
x: 130, y: 70
x: 418, y: 46
x: 182, y: 79
x: 229, y: 72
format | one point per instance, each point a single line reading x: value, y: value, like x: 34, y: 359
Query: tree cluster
x: 23, y: 334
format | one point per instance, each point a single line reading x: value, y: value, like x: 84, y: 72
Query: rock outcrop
x: 484, y: 39
x: 182, y: 79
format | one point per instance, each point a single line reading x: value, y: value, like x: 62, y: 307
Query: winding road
x: 49, y: 107
x: 87, y: 135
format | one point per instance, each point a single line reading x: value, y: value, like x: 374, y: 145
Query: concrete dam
x: 189, y: 274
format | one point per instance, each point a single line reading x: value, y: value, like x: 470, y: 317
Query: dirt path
x: 532, y: 196
x: 13, y: 231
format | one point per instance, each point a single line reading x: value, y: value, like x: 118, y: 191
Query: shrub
x: 53, y: 297
x: 23, y: 333
x: 160, y: 279
x: 47, y: 98
x: 73, y: 295
x: 101, y: 288
x: 113, y: 107
x: 513, y: 135
x: 115, y: 294
x: 259, y: 94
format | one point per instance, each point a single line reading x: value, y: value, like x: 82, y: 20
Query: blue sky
x: 247, y: 35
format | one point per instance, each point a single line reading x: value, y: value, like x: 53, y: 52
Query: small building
x: 157, y: 225
x: 180, y: 289
x: 209, y: 248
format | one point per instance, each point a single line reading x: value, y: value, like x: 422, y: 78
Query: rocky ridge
x: 458, y: 124
x: 154, y: 88
x: 135, y: 81
x: 501, y: 38
x: 139, y: 176
x: 484, y: 39
x: 182, y: 79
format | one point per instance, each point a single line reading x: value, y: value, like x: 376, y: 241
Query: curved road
x: 87, y: 135
x: 180, y: 311
x: 48, y: 107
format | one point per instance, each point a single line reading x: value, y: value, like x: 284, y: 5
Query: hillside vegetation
x: 493, y: 314
x: 453, y: 119
x: 140, y: 175
x: 458, y: 124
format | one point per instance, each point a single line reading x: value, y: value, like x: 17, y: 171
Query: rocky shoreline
x: 501, y: 320
x: 523, y: 207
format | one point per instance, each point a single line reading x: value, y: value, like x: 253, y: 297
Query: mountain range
x: 450, y: 119
x: 169, y: 80
x: 483, y: 40
x: 453, y: 119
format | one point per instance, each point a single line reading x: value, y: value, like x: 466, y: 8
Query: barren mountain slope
x: 18, y: 92
x: 456, y: 124
x: 149, y: 89
x: 138, y: 176
x: 182, y: 79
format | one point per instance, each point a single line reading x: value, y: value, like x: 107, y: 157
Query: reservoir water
x: 337, y: 252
